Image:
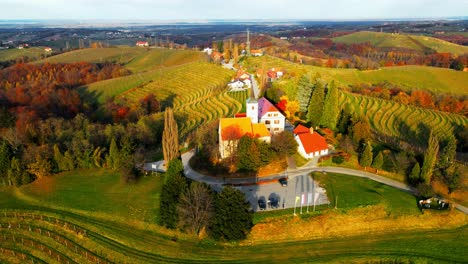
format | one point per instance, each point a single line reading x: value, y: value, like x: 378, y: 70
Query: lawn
x: 81, y: 189
x: 347, y: 192
x: 33, y: 53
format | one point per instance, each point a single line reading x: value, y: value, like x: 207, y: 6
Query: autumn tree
x: 284, y: 143
x: 16, y: 174
x: 235, y: 53
x: 196, y: 208
x: 430, y: 158
x: 41, y: 167
x: 316, y: 103
x: 170, y: 138
x: 304, y: 92
x: 366, y: 156
x: 331, y: 109
x: 361, y: 131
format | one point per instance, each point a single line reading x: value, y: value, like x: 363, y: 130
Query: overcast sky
x: 228, y: 9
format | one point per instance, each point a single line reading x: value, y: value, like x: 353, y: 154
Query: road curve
x: 291, y: 173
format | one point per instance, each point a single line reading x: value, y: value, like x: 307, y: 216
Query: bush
x: 338, y: 159
x: 425, y: 190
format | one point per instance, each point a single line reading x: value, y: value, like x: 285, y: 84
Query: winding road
x: 289, y: 173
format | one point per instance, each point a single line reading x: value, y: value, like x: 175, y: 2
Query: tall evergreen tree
x: 366, y: 156
x: 249, y: 155
x: 59, y: 159
x: 331, y: 109
x: 430, y: 158
x: 170, y: 138
x: 5, y: 156
x: 114, y: 155
x: 414, y: 174
x: 175, y: 185
x: 304, y: 92
x: 233, y: 218
x: 316, y: 103
x: 378, y: 161
x: 448, y: 154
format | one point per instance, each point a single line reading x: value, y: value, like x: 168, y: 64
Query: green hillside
x: 118, y: 55
x: 414, y: 42
x: 406, y: 77
x: 33, y: 53
x: 163, y: 57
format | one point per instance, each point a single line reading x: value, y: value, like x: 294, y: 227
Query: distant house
x: 310, y: 144
x: 47, y: 49
x: 236, y: 85
x: 208, y: 51
x: 256, y: 53
x: 272, y: 75
x: 142, y: 44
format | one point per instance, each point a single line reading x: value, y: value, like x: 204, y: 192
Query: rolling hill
x: 33, y: 53
x: 413, y: 42
x: 406, y: 77
x: 118, y: 55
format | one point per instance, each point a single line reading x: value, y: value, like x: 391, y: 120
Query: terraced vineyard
x: 240, y: 97
x: 401, y: 121
x: 161, y: 57
x: 405, y: 77
x: 196, y: 91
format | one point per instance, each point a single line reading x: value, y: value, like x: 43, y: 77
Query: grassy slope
x: 11, y: 54
x: 129, y: 240
x: 163, y: 58
x: 118, y: 55
x: 414, y: 42
x: 407, y: 77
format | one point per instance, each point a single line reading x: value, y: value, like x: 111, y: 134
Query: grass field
x: 54, y: 221
x: 121, y: 55
x: 406, y: 77
x: 33, y: 53
x: 402, y: 121
x: 414, y: 42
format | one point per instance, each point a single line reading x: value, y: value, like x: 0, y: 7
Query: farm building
x: 142, y: 43
x: 310, y: 144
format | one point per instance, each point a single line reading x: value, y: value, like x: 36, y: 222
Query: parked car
x: 434, y: 203
x: 274, y: 203
x: 283, y: 182
x: 261, y: 204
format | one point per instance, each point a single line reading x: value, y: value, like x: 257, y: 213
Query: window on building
x: 253, y: 107
x: 276, y: 114
x: 277, y: 122
x: 269, y: 115
x: 267, y: 122
x: 276, y: 128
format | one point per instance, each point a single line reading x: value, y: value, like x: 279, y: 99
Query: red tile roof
x: 300, y: 129
x: 312, y: 142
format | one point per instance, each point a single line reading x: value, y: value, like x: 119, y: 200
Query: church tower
x: 251, y: 107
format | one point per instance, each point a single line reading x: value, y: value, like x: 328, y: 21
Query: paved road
x: 217, y: 183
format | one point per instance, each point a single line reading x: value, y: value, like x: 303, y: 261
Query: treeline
x: 441, y: 102
x: 55, y: 144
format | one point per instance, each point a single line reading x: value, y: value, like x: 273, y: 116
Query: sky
x: 228, y: 9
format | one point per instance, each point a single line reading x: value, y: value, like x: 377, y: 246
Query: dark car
x: 261, y: 204
x: 283, y: 182
x: 274, y: 203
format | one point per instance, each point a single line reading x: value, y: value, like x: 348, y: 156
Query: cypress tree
x: 316, y: 103
x: 174, y: 186
x: 113, y: 157
x: 331, y: 108
x: 304, y: 92
x: 448, y: 154
x: 59, y: 159
x: 378, y: 161
x: 430, y: 157
x: 366, y: 156
x: 5, y: 155
x: 170, y: 138
x: 414, y: 174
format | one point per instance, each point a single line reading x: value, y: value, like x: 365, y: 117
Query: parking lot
x: 275, y: 196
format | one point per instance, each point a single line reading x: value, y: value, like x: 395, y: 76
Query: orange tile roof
x: 260, y: 130
x: 237, y: 127
x: 301, y: 129
x: 312, y: 142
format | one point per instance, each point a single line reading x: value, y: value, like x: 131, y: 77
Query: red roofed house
x: 310, y: 144
x: 48, y: 49
x: 142, y: 43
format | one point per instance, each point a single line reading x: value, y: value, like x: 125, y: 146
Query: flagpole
x: 313, y: 191
x: 302, y: 200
